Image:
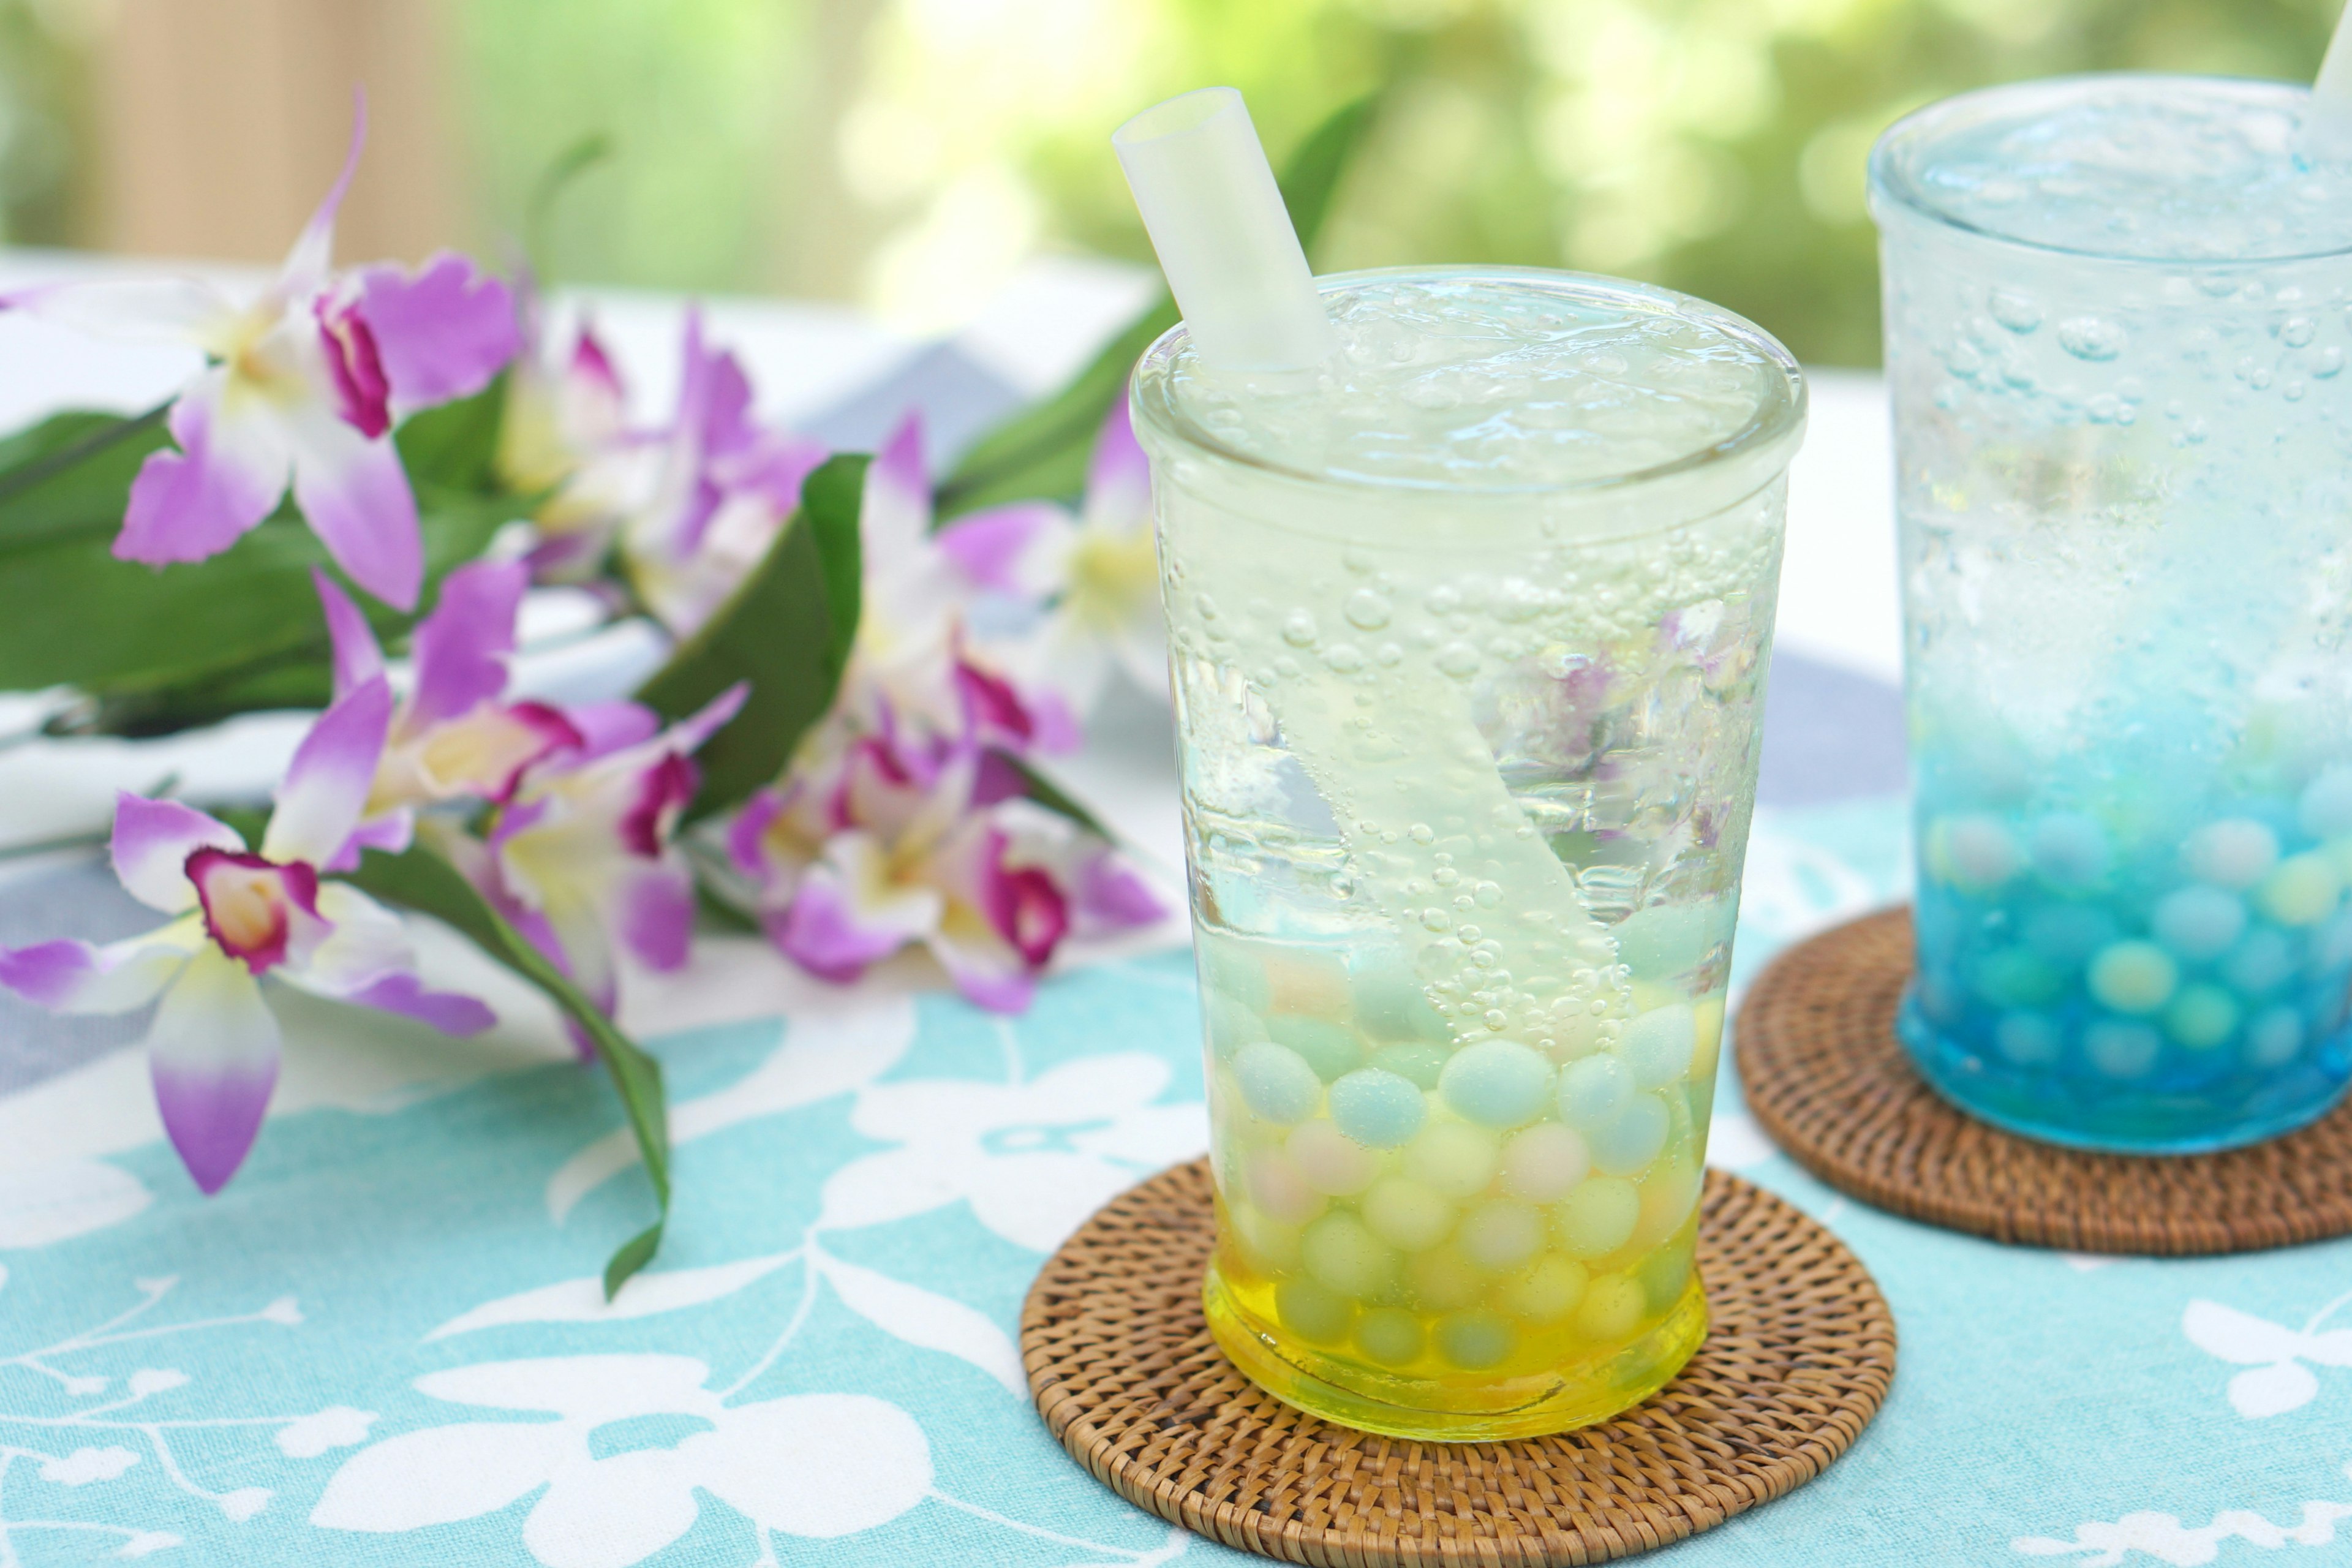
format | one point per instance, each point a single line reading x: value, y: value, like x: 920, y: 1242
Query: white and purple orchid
x: 888, y: 838
x: 453, y: 737
x: 1093, y: 578
x: 303, y: 382
x: 581, y: 859
x: 565, y: 435
x: 239, y: 918
x: 725, y: 487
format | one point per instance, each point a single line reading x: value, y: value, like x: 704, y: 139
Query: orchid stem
x: 41, y: 469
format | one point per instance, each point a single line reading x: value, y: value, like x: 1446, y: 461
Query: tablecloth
x: 383, y: 1343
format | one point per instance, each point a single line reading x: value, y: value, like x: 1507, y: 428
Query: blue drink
x: 2115, y: 321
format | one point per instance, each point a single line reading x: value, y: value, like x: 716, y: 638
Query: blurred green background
x: 908, y: 154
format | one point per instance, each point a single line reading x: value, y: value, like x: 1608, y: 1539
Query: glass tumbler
x: 1468, y: 635
x: 2116, y: 320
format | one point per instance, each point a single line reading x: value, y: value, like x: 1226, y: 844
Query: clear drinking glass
x: 1468, y: 633
x: 2115, y: 326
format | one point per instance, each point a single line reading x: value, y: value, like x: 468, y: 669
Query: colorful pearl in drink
x: 1497, y: 1083
x: 2199, y: 922
x: 2201, y: 1017
x: 2122, y: 1050
x: 1327, y: 1047
x: 1594, y: 1092
x: 1418, y: 1064
x: 1378, y: 1109
x: 2027, y: 1039
x: 1612, y: 1308
x: 1475, y: 1340
x: 2324, y: 810
x: 2302, y: 891
x: 1391, y: 1335
x: 2133, y: 977
x: 1341, y: 1253
x: 1597, y: 1218
x: 2273, y: 1036
x: 1330, y: 1162
x: 1629, y: 1143
x: 1407, y: 1214
x: 2263, y: 960
x: 1658, y: 1044
x: 2070, y: 850
x: 2235, y: 852
x: 1500, y: 1235
x: 1313, y: 1312
x: 1975, y: 853
x: 1451, y: 1160
x: 1549, y: 1291
x: 1277, y: 1082
x: 1544, y: 1163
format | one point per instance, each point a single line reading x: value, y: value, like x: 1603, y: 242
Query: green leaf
x: 1053, y: 797
x: 455, y: 446
x: 419, y: 879
x: 1043, y: 451
x: 787, y: 630
x: 70, y: 475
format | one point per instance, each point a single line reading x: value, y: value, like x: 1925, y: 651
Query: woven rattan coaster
x: 1826, y: 1078
x: 1798, y: 1360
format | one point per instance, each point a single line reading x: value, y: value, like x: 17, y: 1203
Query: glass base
x: 1351, y: 1395
x: 2111, y: 1117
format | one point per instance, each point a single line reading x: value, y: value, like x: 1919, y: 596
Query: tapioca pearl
x: 1316, y: 1314
x: 1391, y: 1335
x: 1940, y: 997
x: 1544, y: 1163
x: 1668, y: 1196
x: 1658, y: 1044
x: 1451, y: 1160
x: 2017, y: 977
x: 2068, y: 934
x: 1338, y: 1251
x: 1266, y: 1245
x: 1597, y: 1218
x: 1497, y: 1083
x: 2324, y: 810
x: 1329, y: 1049
x: 1612, y: 1308
x: 1441, y: 1279
x: 1389, y: 1003
x: 1277, y: 1083
x: 1332, y: 1164
x: 1277, y: 1185
x: 1229, y: 966
x: 1230, y: 1025
x: 1706, y: 1024
x: 1418, y: 1064
x: 1662, y: 1274
x: 2331, y: 945
x: 1406, y: 1214
x: 2236, y: 853
x: 2303, y: 891
x: 1663, y: 942
x: 2262, y: 961
x: 2122, y: 1050
x: 2274, y: 1035
x: 2201, y: 1017
x: 2028, y: 1039
x: 1972, y: 852
x: 1629, y: 1143
x: 2070, y: 850
x: 1547, y: 1292
x: 2133, y: 977
x: 1594, y: 1092
x: 1475, y: 1340
x: 2199, y: 922
x: 1310, y: 984
x: 1500, y: 1235
x: 1377, y: 1109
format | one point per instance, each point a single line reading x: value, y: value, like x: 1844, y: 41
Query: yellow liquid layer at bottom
x: 1348, y: 1391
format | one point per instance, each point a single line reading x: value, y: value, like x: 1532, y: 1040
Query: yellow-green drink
x: 1468, y: 632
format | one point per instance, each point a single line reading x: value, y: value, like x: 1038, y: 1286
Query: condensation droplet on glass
x: 1367, y: 611
x: 1496, y: 1018
x: 1458, y: 659
x: 1468, y: 934
x: 1443, y: 601
x: 2327, y: 361
x: 1435, y: 919
x: 1298, y: 629
x: 1356, y: 558
x: 1344, y: 658
x: 1421, y: 833
x: 1488, y: 895
x: 1387, y: 653
x: 2297, y: 331
x: 2091, y: 338
x: 2019, y: 312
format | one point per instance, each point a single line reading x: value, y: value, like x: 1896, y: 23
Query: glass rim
x: 1780, y: 415
x: 1888, y: 193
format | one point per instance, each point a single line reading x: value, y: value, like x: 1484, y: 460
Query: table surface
x: 383, y: 1343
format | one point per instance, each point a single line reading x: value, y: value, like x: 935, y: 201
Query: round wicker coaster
x: 1826, y: 1078
x: 1119, y: 1359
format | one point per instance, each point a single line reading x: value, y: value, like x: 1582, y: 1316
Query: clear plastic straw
x: 1225, y: 241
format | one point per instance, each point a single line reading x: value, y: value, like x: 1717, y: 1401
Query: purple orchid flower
x: 303, y: 384
x: 890, y: 837
x: 454, y: 736
x: 1095, y: 575
x: 239, y: 918
x: 582, y: 858
x: 725, y: 487
x: 565, y: 433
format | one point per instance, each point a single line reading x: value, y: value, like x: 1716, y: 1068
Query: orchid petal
x: 152, y: 840
x: 227, y: 476
x: 984, y: 965
x: 846, y: 914
x: 306, y: 265
x: 326, y: 785
x: 75, y: 977
x: 451, y: 1012
x: 1119, y: 476
x: 1112, y: 896
x: 355, y: 495
x: 747, y: 835
x: 689, y: 733
x: 367, y: 961
x: 608, y: 727
x: 390, y: 831
x: 213, y: 1055
x: 654, y: 916
x: 1023, y: 549
x: 172, y: 310
x: 358, y: 658
x: 461, y: 648
x: 895, y: 514
x: 443, y: 332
